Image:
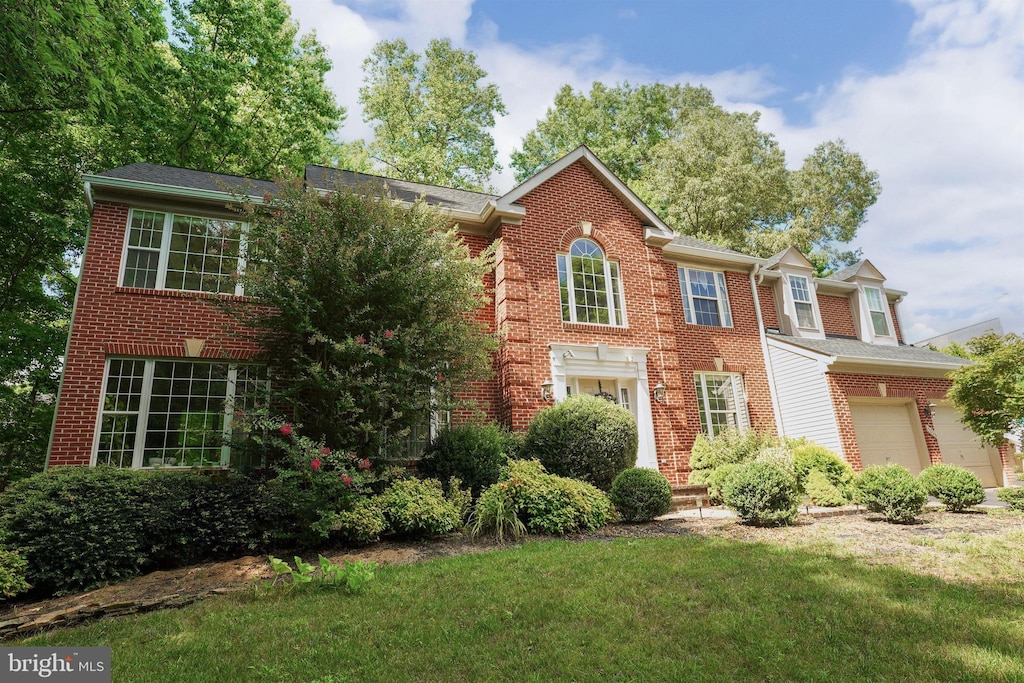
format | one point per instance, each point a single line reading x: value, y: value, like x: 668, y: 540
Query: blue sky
x: 929, y: 92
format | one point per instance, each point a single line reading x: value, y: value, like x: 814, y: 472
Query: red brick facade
x: 836, y: 316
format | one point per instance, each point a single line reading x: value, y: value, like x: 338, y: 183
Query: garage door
x: 960, y: 446
x: 885, y: 433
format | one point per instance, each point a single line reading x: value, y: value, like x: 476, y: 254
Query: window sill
x: 594, y: 327
x: 718, y: 328
x: 181, y: 294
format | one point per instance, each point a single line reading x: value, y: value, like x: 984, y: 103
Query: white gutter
x: 710, y: 254
x: 160, y: 188
x: 756, y: 272
x: 88, y: 195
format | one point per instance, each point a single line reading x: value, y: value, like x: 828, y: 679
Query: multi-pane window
x: 721, y: 402
x: 877, y: 310
x: 802, y: 300
x: 174, y: 413
x: 169, y: 251
x: 705, y: 300
x: 590, y: 287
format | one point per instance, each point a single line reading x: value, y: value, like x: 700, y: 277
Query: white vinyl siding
x: 805, y: 403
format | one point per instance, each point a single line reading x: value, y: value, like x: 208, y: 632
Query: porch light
x: 929, y: 409
x: 659, y: 393
x: 546, y: 390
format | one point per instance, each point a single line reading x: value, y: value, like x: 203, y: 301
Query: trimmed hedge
x: 955, y: 487
x: 583, y: 437
x: 892, y: 490
x: 640, y: 495
x: 472, y: 453
x: 762, y: 493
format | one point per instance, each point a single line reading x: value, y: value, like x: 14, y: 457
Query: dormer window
x: 589, y: 286
x: 876, y: 307
x: 801, y: 292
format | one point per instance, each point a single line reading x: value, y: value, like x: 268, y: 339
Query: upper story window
x: 801, y: 292
x: 705, y: 300
x: 589, y: 285
x: 876, y: 307
x: 171, y: 251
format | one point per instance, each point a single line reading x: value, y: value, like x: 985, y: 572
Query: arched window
x: 589, y: 285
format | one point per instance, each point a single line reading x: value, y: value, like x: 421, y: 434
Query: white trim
x: 769, y: 369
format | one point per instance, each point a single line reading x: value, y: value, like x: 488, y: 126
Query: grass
x: 665, y: 609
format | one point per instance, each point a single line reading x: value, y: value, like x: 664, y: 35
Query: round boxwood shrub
x: 892, y: 490
x: 473, y: 453
x: 762, y: 493
x: 955, y: 487
x: 583, y: 437
x: 641, y: 494
x: 823, y: 492
x: 811, y: 456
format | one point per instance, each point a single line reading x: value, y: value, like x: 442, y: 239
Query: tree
x: 990, y: 393
x: 710, y: 173
x: 622, y: 125
x: 431, y: 115
x: 367, y: 311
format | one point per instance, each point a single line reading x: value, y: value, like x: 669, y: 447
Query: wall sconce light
x: 929, y: 409
x: 659, y: 393
x: 546, y: 390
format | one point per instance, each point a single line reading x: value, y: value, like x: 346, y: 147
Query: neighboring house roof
x: 964, y: 334
x: 855, y: 351
x: 326, y: 178
x: 186, y: 178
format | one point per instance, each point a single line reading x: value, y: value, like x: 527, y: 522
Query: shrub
x: 583, y: 437
x: 12, y: 574
x: 495, y: 513
x: 892, y: 490
x: 762, y: 493
x: 811, y: 456
x: 460, y: 498
x: 362, y: 524
x: 640, y: 495
x: 823, y: 492
x: 730, y: 446
x: 716, y: 482
x: 1014, y: 497
x: 472, y: 452
x: 549, y: 504
x: 417, y: 507
x: 780, y: 455
x: 955, y: 487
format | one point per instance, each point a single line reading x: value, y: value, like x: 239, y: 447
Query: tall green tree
x: 711, y: 173
x: 621, y: 124
x: 990, y: 393
x: 371, y: 312
x: 431, y: 114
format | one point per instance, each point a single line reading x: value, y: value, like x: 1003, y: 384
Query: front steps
x: 689, y: 497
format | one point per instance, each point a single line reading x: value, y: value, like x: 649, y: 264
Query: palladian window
x: 590, y: 287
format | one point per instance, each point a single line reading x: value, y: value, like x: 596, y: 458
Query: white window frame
x: 165, y: 249
x: 883, y: 311
x: 739, y: 398
x: 721, y: 297
x: 808, y: 302
x: 144, y: 408
x: 613, y: 287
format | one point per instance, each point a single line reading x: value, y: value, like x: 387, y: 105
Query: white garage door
x: 885, y: 433
x: 960, y: 446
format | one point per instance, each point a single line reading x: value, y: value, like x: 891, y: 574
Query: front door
x: 620, y: 392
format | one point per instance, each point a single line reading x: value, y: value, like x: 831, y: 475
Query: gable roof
x: 326, y: 178
x: 789, y: 254
x: 862, y: 268
x: 140, y: 175
x: 856, y: 351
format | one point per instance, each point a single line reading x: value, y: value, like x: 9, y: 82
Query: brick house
x: 591, y: 292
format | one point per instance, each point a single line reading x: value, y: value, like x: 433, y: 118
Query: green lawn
x: 671, y: 609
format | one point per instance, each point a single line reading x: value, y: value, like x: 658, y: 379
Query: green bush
x: 823, y: 492
x: 474, y: 453
x: 495, y: 513
x: 716, y: 482
x: 1014, y: 497
x: 12, y: 574
x: 583, y: 437
x: 730, y: 446
x: 417, y: 507
x: 811, y: 456
x: 640, y: 495
x: 762, y: 493
x: 892, y: 490
x: 955, y: 487
x: 362, y: 524
x: 549, y: 504
x: 460, y: 498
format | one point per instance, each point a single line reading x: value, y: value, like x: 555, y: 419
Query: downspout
x: 756, y: 273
